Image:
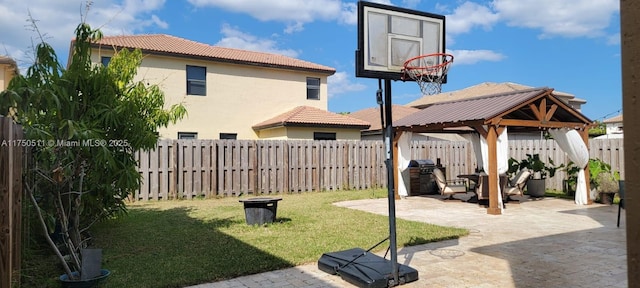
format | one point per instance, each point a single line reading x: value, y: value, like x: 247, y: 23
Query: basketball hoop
x: 428, y: 71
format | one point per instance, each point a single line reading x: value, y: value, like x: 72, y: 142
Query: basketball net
x: 429, y: 71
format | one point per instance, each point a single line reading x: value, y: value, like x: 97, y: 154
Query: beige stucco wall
x: 307, y: 133
x: 614, y: 128
x: 6, y: 74
x: 238, y: 96
x: 281, y: 133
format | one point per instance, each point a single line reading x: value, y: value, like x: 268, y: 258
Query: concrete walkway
x: 543, y: 243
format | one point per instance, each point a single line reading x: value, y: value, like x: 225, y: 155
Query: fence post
x: 11, y: 149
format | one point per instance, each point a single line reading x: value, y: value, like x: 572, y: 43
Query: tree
x: 83, y: 125
x: 599, y: 129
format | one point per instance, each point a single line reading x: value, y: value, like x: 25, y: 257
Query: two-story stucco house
x: 235, y: 94
x: 8, y: 69
x: 613, y: 127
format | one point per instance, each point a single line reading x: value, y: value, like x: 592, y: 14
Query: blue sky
x: 571, y: 46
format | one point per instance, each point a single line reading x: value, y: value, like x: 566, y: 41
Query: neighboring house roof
x: 524, y: 109
x: 8, y: 61
x: 486, y: 88
x: 615, y: 119
x: 175, y: 46
x: 305, y: 116
x: 372, y: 115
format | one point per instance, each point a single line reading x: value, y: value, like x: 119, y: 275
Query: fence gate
x: 11, y: 143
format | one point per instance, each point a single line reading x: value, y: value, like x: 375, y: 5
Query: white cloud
x: 234, y: 38
x: 614, y: 39
x: 410, y: 3
x: 465, y: 57
x: 340, y: 83
x: 385, y: 2
x: 158, y: 22
x: 288, y: 11
x: 294, y: 13
x: 57, y: 20
x: 468, y: 15
x: 295, y: 27
x: 349, y: 14
x: 577, y: 18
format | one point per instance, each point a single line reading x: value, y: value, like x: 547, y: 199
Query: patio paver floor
x: 543, y: 243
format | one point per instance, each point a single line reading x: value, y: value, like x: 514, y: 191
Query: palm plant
x: 534, y: 164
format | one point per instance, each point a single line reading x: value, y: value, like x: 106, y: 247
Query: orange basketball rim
x: 429, y: 71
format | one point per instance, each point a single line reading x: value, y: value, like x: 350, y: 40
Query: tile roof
x: 372, y: 115
x: 482, y: 89
x: 8, y: 60
x: 176, y: 46
x: 467, y: 110
x: 305, y: 116
x: 614, y: 119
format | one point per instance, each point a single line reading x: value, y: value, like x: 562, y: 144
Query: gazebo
x: 489, y: 117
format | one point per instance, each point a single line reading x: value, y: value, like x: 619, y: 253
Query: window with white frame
x: 196, y: 80
x: 313, y: 88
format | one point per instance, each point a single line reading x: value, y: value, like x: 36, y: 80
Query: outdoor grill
x: 421, y: 180
x: 425, y: 166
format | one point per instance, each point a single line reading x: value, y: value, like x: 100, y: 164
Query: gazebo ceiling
x: 530, y: 109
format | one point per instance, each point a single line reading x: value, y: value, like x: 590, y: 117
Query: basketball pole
x: 393, y: 247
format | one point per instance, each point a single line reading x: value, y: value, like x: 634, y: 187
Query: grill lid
x: 422, y: 163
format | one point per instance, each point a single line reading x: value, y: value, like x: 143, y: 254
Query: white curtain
x: 502, y: 158
x: 404, y: 156
x: 571, y: 143
x: 474, y: 138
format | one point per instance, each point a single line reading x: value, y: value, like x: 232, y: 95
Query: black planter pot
x: 606, y: 198
x: 568, y: 188
x: 536, y: 187
x: 89, y: 283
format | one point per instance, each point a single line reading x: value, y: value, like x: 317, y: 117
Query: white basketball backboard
x: 388, y: 36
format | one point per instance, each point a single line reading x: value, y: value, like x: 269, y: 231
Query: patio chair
x: 447, y: 188
x: 516, y: 185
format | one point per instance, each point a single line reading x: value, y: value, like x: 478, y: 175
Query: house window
x: 313, y: 88
x: 196, y: 80
x: 230, y: 136
x: 105, y: 60
x: 187, y: 135
x: 324, y: 136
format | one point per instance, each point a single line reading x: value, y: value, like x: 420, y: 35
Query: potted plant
x: 603, y: 181
x: 607, y: 187
x: 83, y: 124
x: 540, y: 171
x: 571, y: 181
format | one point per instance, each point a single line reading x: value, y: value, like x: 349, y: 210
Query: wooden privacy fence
x: 11, y: 144
x: 179, y: 169
x: 184, y: 169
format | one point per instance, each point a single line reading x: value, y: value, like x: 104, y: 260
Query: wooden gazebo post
x: 492, y: 145
x: 491, y: 136
x: 585, y: 137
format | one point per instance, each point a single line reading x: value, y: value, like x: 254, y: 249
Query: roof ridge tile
x: 182, y: 47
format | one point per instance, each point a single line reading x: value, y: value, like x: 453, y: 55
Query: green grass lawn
x: 178, y: 243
